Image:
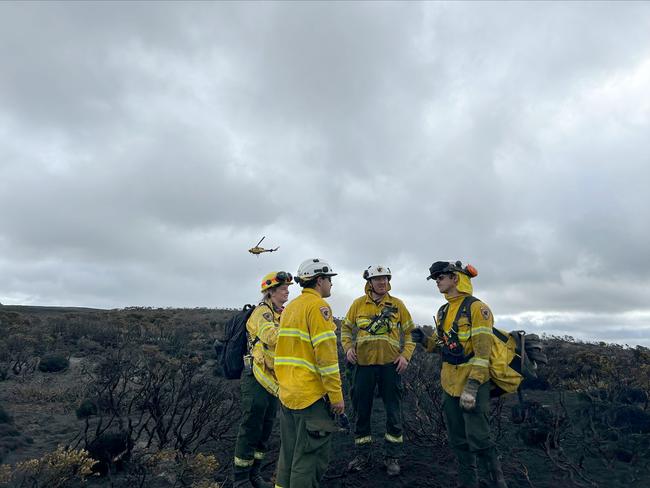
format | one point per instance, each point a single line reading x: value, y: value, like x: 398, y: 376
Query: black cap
x: 443, y: 267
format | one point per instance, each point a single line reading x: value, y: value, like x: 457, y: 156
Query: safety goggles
x: 441, y: 277
x: 280, y: 277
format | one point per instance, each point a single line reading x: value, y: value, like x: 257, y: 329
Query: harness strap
x: 464, y: 309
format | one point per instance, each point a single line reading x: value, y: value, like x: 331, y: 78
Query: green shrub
x: 52, y: 363
x: 86, y: 409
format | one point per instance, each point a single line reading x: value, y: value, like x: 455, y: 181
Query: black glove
x: 418, y: 335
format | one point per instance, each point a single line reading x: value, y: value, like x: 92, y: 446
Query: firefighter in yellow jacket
x: 376, y: 337
x: 466, y: 340
x: 307, y: 368
x: 259, y: 386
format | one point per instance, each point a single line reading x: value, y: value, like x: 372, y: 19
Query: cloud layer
x: 145, y: 147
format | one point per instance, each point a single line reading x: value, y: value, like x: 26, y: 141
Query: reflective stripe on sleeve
x: 331, y: 369
x: 329, y: 335
x: 296, y: 333
x: 265, y: 380
x: 481, y: 330
x: 484, y: 363
x: 269, y: 325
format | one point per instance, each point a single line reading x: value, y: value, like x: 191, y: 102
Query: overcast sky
x: 145, y: 147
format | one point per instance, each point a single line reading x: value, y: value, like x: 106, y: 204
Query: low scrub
x: 53, y: 363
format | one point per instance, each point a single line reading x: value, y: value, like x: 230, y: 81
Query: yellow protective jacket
x: 489, y: 357
x: 262, y: 327
x: 392, y: 332
x: 306, y: 359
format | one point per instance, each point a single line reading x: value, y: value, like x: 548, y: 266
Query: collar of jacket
x: 457, y: 298
x: 311, y: 291
x: 272, y: 307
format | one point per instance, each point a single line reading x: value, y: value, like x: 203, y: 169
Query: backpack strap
x: 466, y: 310
x: 256, y: 339
x: 454, y: 354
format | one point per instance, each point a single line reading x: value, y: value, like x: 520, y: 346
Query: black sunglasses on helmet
x: 280, y: 277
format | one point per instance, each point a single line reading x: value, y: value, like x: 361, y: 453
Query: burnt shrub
x: 110, y: 449
x: 87, y: 408
x: 5, y: 418
x: 52, y: 363
x: 630, y: 395
x: 629, y: 419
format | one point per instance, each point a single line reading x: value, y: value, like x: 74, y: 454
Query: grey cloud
x: 144, y: 148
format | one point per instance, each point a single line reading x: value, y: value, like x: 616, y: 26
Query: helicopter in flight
x: 257, y: 250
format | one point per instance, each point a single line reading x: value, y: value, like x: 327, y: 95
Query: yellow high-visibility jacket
x: 391, y: 337
x: 490, y: 356
x: 262, y: 327
x: 306, y: 359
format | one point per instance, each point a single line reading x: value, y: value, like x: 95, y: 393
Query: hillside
x: 137, y: 389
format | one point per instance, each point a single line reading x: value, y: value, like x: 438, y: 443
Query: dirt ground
x: 43, y: 410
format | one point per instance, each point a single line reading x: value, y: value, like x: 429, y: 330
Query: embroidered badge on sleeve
x: 326, y: 313
x: 268, y: 316
x: 485, y: 312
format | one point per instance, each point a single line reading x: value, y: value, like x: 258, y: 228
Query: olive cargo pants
x: 258, y: 408
x: 468, y: 432
x: 306, y: 436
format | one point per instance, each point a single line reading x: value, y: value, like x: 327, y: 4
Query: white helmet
x: 375, y: 271
x: 311, y: 268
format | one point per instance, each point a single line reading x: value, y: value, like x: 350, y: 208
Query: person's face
x: 325, y: 286
x: 280, y: 294
x: 446, y: 283
x: 379, y: 284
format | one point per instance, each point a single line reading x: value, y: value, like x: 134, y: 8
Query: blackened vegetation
x: 148, y: 408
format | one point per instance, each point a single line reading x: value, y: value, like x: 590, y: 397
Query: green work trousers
x: 468, y: 431
x: 366, y: 379
x: 258, y: 409
x: 306, y: 436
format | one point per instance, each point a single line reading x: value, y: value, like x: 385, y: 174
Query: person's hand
x: 351, y: 356
x: 468, y: 397
x: 401, y: 363
x: 338, y: 408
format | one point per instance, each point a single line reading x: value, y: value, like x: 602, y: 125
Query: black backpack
x: 231, y: 351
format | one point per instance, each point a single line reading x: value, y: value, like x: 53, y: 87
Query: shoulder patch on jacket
x: 268, y: 316
x: 485, y: 312
x: 326, y: 312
